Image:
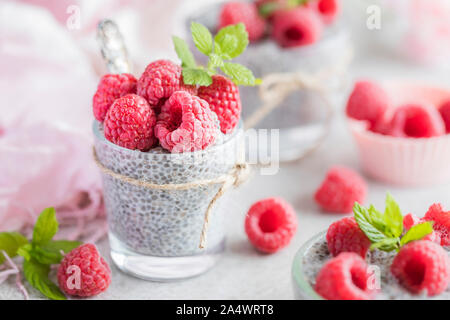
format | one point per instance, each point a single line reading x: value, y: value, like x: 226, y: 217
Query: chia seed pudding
x: 165, y: 223
x: 311, y: 258
x: 305, y: 112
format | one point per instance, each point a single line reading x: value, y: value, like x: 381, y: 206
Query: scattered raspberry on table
x: 340, y: 190
x: 93, y: 271
x: 270, y: 224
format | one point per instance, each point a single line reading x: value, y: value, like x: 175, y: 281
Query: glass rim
x: 298, y: 274
x: 228, y: 140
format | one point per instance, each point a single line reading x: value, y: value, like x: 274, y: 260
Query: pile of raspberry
x: 288, y: 23
x: 370, y: 102
x: 158, y: 109
x: 421, y: 266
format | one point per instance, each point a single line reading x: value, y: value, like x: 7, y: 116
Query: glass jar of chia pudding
x: 155, y: 233
x: 313, y: 255
x: 303, y: 118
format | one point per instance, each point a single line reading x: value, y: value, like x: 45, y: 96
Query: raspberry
x: 223, y: 98
x: 422, y: 266
x: 186, y: 124
x: 160, y: 79
x: 129, y: 123
x: 416, y: 121
x: 270, y: 224
x: 297, y: 27
x: 411, y: 220
x: 94, y: 272
x: 328, y: 10
x: 368, y: 101
x: 340, y: 190
x: 111, y: 87
x: 345, y: 277
x: 441, y: 221
x: 346, y: 236
x: 444, y: 110
x: 247, y: 13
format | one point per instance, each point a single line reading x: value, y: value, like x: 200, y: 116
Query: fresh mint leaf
x: 184, y: 53
x: 268, y: 8
x: 62, y: 245
x: 37, y: 275
x: 45, y: 228
x: 222, y: 40
x: 239, y: 74
x: 202, y: 38
x: 215, y: 61
x: 25, y: 251
x: 377, y: 219
x: 417, y: 232
x: 393, y: 217
x: 196, y: 76
x: 362, y: 217
x: 10, y: 242
x: 387, y: 244
x: 228, y: 44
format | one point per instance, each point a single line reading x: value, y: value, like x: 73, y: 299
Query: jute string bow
x: 274, y: 90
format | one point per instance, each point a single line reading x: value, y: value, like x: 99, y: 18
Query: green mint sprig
x: 385, y: 230
x: 229, y: 43
x: 270, y: 7
x: 40, y: 253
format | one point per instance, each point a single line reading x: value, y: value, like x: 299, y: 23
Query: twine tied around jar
x: 234, y: 178
x: 276, y: 87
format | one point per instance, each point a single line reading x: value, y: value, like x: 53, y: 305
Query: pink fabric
x: 49, y: 73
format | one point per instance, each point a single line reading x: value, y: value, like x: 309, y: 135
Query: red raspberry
x: 444, y: 110
x: 441, y: 221
x: 270, y: 224
x: 345, y: 277
x: 368, y: 101
x: 416, y: 121
x: 129, y: 123
x: 422, y: 266
x: 297, y: 27
x: 186, y: 124
x: 111, y: 87
x: 340, y: 190
x: 223, y: 98
x: 93, y: 271
x: 411, y: 220
x: 346, y: 236
x: 328, y: 9
x: 160, y: 79
x: 247, y: 13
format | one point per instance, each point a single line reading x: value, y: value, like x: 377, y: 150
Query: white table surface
x: 243, y: 273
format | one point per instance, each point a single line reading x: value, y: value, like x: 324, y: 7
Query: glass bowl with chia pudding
x: 312, y: 256
x: 155, y: 234
x: 303, y: 117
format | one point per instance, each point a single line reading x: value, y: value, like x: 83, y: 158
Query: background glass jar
x: 155, y: 234
x: 303, y: 118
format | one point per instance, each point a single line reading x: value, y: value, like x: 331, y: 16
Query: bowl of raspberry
x: 377, y: 255
x: 401, y: 130
x: 301, y: 43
